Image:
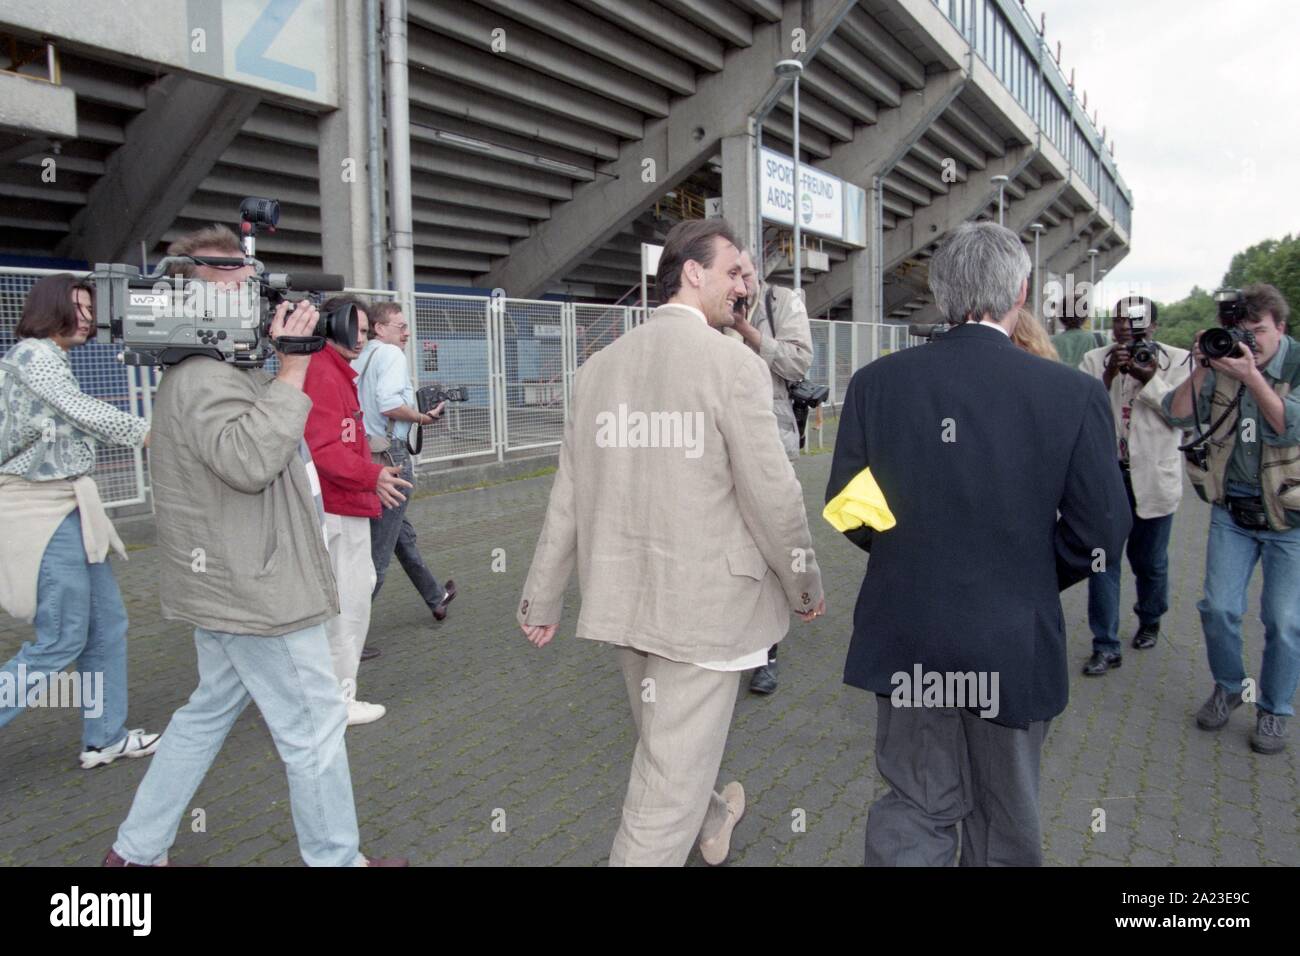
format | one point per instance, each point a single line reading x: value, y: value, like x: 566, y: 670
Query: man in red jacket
x: 352, y: 489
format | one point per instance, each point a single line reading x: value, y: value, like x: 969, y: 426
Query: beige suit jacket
x: 675, y: 501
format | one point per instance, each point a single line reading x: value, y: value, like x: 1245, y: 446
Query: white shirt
x: 997, y: 325
x: 759, y: 657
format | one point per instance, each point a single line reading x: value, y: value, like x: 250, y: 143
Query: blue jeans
x: 79, y: 619
x: 1230, y: 558
x: 1148, y: 555
x: 291, y: 680
x: 392, y: 533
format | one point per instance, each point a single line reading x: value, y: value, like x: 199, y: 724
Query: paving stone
x: 478, y: 719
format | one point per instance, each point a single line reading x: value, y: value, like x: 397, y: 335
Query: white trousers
x: 348, y: 541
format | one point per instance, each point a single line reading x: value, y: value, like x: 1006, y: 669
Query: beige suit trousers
x: 348, y: 539
x: 682, y: 714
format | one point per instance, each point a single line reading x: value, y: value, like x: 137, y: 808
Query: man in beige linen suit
x: 676, y: 502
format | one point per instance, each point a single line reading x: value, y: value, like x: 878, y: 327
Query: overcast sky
x: 1200, y: 98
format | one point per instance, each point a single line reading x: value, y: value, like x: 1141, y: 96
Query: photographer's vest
x: 1279, y: 467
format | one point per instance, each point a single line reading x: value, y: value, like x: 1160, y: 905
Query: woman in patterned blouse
x: 54, y: 568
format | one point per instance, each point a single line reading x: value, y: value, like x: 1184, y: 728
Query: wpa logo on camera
x: 637, y: 429
x: 202, y: 301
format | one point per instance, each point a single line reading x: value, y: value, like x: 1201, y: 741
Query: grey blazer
x: 675, y: 501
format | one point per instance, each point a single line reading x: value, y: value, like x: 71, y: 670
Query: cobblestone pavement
x: 482, y: 726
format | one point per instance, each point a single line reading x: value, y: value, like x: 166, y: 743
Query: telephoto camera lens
x: 339, y: 325
x: 1220, y: 343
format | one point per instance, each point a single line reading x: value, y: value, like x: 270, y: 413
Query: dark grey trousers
x: 391, y: 533
x: 946, y: 766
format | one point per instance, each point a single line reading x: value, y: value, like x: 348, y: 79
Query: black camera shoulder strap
x: 390, y: 424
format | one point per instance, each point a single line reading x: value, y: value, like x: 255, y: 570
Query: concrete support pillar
x: 344, y: 177
x: 740, y: 188
x: 865, y: 266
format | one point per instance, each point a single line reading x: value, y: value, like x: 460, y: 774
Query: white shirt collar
x: 997, y: 325
x: 694, y: 311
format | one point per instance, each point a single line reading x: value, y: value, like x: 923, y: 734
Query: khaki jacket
x: 1279, y: 464
x: 1155, y: 465
x: 788, y: 351
x: 675, y: 501
x: 242, y: 547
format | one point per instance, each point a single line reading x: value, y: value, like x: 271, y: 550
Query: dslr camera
x: 161, y: 319
x: 1142, y: 351
x: 428, y: 397
x: 1228, y: 339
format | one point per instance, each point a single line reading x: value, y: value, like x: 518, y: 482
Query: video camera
x: 1227, y: 340
x: 162, y: 319
x: 929, y: 332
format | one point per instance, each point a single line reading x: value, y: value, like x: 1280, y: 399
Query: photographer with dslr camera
x: 1242, y: 459
x: 773, y: 322
x: 1138, y: 372
x: 389, y: 405
x: 241, y: 537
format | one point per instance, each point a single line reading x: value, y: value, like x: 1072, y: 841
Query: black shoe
x: 1146, y: 636
x: 449, y: 594
x: 370, y: 653
x: 764, y: 679
x: 1216, y: 711
x: 1100, y: 662
x: 1269, y: 735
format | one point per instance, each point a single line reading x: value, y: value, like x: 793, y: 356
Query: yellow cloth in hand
x: 860, y: 503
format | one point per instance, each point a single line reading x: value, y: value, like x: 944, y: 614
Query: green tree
x: 1275, y: 261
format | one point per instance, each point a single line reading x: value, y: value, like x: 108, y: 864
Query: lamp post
x: 786, y: 69
x: 1092, y: 279
x: 1001, y: 183
x: 1037, y: 229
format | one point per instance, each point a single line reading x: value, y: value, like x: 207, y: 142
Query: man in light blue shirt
x: 388, y: 406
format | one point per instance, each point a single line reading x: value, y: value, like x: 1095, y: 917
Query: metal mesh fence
x: 119, y: 472
x: 450, y: 344
x: 533, y: 362
x: 819, y: 371
x: 596, y: 326
x: 844, y: 366
x: 514, y: 357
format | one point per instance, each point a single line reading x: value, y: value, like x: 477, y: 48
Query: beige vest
x: 1279, y: 470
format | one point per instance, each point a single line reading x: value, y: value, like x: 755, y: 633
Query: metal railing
x: 1006, y: 39
x: 516, y: 359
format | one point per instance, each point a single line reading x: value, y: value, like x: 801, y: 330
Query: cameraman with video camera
x: 773, y: 322
x: 241, y: 536
x: 1242, y: 409
x: 1138, y: 372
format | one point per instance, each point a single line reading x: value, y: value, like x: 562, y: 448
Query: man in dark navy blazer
x: 1000, y: 469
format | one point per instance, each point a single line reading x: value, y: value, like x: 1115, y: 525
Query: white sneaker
x: 360, y: 712
x: 136, y: 743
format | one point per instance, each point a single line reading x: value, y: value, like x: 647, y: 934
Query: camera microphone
x: 305, y: 281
